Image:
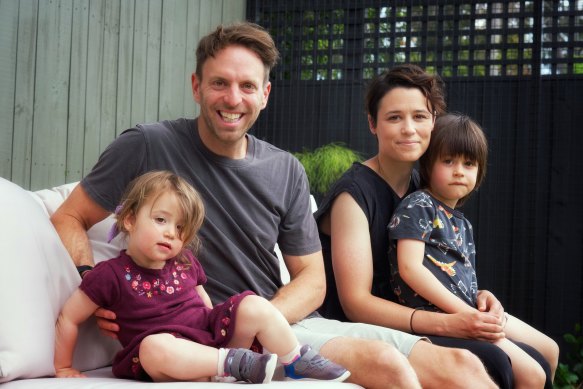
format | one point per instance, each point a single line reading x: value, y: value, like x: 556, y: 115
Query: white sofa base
x: 103, y: 378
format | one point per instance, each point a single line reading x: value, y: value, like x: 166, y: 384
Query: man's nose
x: 233, y: 96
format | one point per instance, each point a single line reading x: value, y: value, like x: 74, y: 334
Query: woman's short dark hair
x: 406, y: 76
x: 453, y: 135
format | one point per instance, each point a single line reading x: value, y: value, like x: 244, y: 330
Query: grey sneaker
x: 312, y: 366
x: 246, y: 365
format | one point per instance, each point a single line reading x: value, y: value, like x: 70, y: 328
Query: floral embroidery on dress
x: 136, y: 366
x: 226, y: 320
x: 157, y: 286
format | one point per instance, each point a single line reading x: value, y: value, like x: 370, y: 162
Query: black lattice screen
x: 347, y: 40
x: 515, y: 66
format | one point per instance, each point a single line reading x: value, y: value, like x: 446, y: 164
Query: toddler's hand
x: 69, y: 372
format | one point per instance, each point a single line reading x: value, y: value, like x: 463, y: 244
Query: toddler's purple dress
x: 150, y: 301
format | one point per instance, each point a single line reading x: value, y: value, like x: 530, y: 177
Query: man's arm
x: 307, y: 288
x: 72, y: 220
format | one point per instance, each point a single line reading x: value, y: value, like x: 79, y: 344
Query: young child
x: 168, y: 328
x: 432, y: 252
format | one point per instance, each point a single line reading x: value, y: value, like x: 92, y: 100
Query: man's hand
x: 68, y: 372
x: 105, y: 322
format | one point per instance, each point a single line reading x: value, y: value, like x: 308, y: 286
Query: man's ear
x: 195, y: 83
x: 266, y: 91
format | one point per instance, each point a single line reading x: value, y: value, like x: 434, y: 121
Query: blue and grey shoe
x: 312, y: 366
x: 246, y: 365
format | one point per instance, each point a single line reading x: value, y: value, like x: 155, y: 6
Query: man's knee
x: 373, y: 363
x: 385, y: 356
x: 436, y: 365
x: 388, y: 365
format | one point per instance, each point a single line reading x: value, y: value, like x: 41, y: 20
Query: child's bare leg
x: 167, y: 358
x: 257, y: 317
x: 520, y: 331
x: 527, y: 372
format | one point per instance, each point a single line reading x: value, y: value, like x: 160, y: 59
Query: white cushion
x: 51, y: 199
x: 284, y: 273
x: 37, y: 276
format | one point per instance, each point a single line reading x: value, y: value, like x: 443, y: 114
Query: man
x: 255, y: 196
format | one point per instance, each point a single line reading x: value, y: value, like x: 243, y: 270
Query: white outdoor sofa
x: 36, y: 277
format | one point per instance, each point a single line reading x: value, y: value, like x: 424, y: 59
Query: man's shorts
x: 316, y: 331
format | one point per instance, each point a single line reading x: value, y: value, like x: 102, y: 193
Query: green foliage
x: 325, y: 165
x: 570, y: 375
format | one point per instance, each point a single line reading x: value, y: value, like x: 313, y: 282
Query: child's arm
x: 204, y: 296
x: 76, y: 310
x: 410, y: 254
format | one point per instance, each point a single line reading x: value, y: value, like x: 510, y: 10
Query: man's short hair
x: 249, y: 35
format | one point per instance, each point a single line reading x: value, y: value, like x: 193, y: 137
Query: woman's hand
x: 105, y: 322
x: 474, y: 325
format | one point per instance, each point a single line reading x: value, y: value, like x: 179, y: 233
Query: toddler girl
x: 169, y: 329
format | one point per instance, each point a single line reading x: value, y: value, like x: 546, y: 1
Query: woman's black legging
x: 494, y: 359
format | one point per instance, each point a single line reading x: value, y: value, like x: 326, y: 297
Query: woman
x: 402, y: 105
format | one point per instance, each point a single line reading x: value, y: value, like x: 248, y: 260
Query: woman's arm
x: 410, y: 254
x: 76, y: 310
x: 353, y: 270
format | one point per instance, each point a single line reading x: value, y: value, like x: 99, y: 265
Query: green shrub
x: 570, y: 375
x: 325, y: 165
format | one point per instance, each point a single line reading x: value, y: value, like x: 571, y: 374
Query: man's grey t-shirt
x: 250, y: 203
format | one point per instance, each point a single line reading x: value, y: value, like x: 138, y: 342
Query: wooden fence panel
x: 23, y: 78
x: 8, y: 29
x: 154, y: 34
x: 125, y: 65
x: 77, y: 91
x: 51, y: 97
x: 76, y: 73
x: 175, y: 73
